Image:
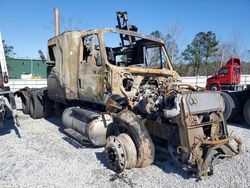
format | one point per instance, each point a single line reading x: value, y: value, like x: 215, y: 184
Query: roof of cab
x: 114, y: 30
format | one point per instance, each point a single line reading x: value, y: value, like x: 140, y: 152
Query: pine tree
x: 202, y: 50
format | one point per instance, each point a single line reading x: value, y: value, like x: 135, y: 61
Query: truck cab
x: 102, y: 66
x: 228, y: 76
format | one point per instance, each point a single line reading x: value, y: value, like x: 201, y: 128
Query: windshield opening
x: 140, y: 52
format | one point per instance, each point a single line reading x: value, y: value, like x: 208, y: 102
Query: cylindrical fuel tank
x: 88, y: 123
x: 97, y: 129
x: 74, y: 121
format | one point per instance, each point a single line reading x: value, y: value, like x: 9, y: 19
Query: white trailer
x: 5, y: 89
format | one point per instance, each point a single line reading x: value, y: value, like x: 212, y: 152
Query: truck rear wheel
x: 127, y: 122
x: 36, y: 106
x: 246, y: 112
x: 26, y: 105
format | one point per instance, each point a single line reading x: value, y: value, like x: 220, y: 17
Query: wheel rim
x: 120, y: 152
x: 214, y: 88
x: 115, y: 154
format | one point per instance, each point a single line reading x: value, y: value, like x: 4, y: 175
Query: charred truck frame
x: 117, y: 88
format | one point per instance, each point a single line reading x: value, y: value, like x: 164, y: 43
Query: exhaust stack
x: 57, y: 22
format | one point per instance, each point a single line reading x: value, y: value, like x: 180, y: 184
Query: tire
x: 236, y: 109
x: 214, y: 87
x: 232, y: 105
x: 36, y: 106
x: 26, y: 105
x: 228, y: 105
x: 246, y: 112
x: 59, y: 109
x: 127, y: 122
x: 48, y: 107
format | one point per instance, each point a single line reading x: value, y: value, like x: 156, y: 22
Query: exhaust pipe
x: 57, y: 22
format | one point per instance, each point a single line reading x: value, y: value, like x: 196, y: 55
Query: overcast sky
x: 28, y: 24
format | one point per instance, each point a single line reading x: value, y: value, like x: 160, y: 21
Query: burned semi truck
x: 116, y: 87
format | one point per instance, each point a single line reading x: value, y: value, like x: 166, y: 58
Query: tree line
x: 204, y: 55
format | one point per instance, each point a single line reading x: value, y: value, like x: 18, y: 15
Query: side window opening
x: 153, y: 56
x: 223, y: 71
x: 91, y: 50
x: 51, y: 53
x: 140, y: 53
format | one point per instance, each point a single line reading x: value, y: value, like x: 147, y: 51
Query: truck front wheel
x: 127, y: 128
x: 214, y: 87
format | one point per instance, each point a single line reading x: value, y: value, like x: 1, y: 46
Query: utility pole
x: 248, y: 60
x: 31, y: 67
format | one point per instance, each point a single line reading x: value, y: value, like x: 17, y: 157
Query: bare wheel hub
x: 120, y: 152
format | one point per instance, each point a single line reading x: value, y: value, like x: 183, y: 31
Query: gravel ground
x: 38, y: 154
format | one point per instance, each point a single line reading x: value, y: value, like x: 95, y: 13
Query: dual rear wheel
x: 37, y: 105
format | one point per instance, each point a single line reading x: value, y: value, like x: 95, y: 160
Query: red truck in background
x: 227, y: 78
x: 237, y: 99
